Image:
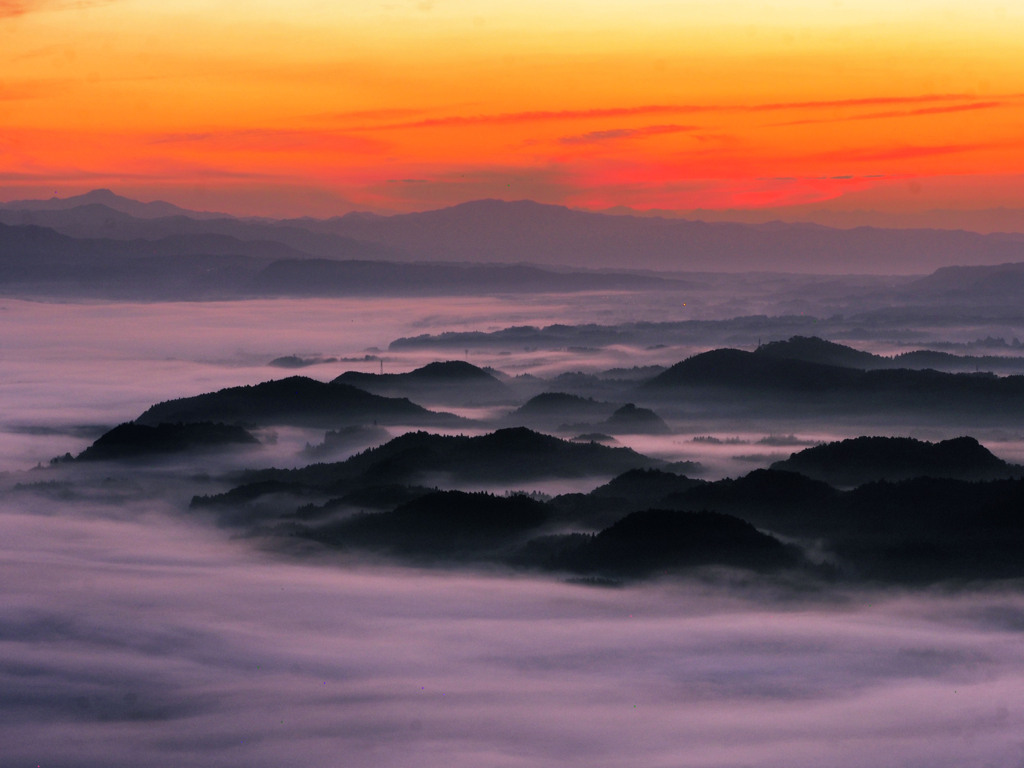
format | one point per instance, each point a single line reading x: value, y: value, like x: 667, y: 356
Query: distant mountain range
x: 115, y: 202
x: 38, y: 261
x: 497, y: 231
x: 479, y: 232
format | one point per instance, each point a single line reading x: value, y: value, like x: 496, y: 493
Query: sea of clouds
x: 136, y: 633
x: 131, y: 635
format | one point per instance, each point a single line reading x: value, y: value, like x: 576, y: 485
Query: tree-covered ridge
x: 295, y: 400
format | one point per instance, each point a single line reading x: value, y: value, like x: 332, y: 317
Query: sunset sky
x: 319, y: 107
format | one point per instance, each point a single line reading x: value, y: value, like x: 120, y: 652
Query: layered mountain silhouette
x: 446, y: 526
x: 931, y: 529
x: 132, y: 440
x: 345, y: 440
x: 453, y: 381
x: 115, y: 221
x: 647, y: 522
x: 573, y: 413
x: 749, y: 379
x: 114, y: 202
x: 632, y: 491
x: 812, y: 349
x: 560, y: 408
x: 202, y: 264
x: 659, y: 542
x: 296, y: 400
x: 507, y: 455
x: 497, y: 231
x: 924, y: 529
x: 440, y: 526
x: 960, y: 284
x: 864, y: 459
x: 630, y: 419
x: 357, y: 253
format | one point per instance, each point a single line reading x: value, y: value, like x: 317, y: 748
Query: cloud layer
x: 134, y: 638
x: 134, y: 633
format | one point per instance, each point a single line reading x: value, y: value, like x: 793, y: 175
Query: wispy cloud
x: 903, y: 152
x: 594, y: 137
x: 387, y: 113
x: 164, y: 173
x: 860, y: 102
x: 273, y: 139
x: 539, y: 116
x: 896, y: 113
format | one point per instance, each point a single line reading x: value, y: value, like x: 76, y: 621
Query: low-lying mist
x: 133, y: 636
x: 135, y: 631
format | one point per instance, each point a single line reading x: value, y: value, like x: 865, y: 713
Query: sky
x: 320, y: 107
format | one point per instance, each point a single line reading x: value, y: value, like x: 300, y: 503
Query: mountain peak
x: 152, y: 210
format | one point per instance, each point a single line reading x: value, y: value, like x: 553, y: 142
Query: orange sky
x: 318, y: 106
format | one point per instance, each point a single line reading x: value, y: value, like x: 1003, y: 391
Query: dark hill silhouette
x: 441, y: 525
x: 748, y: 370
x: 450, y: 370
x: 772, y: 499
x: 453, y: 381
x: 457, y: 526
x: 131, y: 440
x: 723, y: 374
x: 932, y: 529
x: 865, y: 459
x: 629, y: 419
x: 296, y: 400
x: 648, y: 486
x: 656, y: 541
x: 919, y: 530
x: 631, y: 491
x: 549, y: 408
x: 345, y: 440
x: 507, y: 455
x: 294, y: 361
x: 812, y: 349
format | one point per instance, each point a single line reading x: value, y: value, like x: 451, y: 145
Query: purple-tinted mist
x: 131, y: 637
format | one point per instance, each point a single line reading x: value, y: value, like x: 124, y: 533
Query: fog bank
x: 134, y: 637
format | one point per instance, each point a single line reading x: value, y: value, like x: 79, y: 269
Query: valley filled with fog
x: 490, y: 384
x: 148, y: 621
